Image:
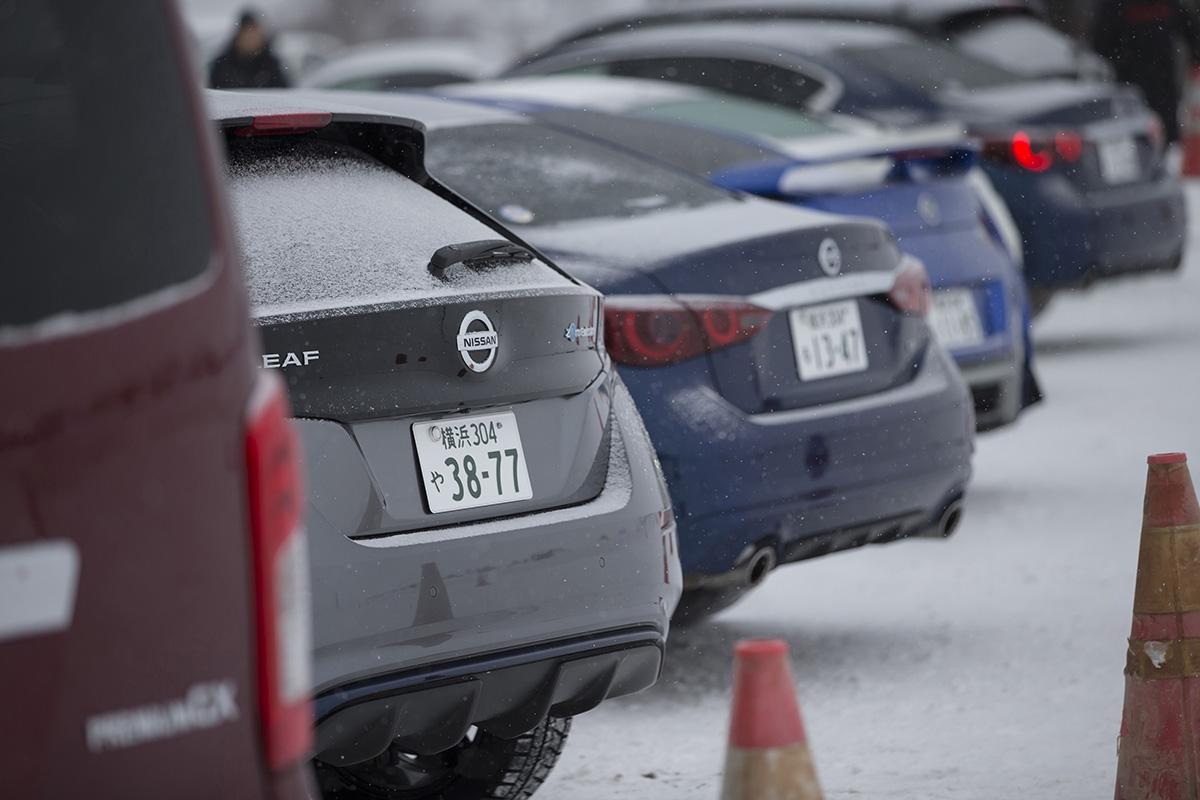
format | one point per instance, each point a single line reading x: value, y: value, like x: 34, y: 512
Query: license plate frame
x: 1119, y: 162
x: 487, y: 454
x: 827, y: 340
x: 955, y: 320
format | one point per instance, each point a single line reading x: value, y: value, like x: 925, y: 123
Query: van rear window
x: 104, y: 197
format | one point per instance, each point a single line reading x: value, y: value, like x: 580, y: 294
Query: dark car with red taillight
x: 154, y: 620
x: 1080, y: 164
x: 780, y: 357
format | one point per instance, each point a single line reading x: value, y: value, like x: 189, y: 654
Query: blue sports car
x: 922, y: 183
x: 780, y: 357
x: 1080, y: 164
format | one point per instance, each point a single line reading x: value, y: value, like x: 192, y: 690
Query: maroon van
x: 154, y: 620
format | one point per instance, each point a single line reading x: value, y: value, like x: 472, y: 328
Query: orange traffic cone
x: 767, y: 757
x: 1160, y: 727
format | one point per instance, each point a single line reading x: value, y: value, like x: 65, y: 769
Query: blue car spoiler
x: 894, y: 159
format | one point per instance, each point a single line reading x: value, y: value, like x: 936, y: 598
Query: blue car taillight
x: 656, y: 330
x: 911, y: 292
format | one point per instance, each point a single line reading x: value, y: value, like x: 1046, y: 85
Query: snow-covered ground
x: 985, y: 667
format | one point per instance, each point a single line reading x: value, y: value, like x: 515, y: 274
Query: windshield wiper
x: 486, y: 252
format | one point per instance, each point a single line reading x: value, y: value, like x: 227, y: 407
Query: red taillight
x: 1068, y: 145
x: 1026, y: 155
x: 1035, y: 151
x: 280, y: 553
x: 655, y: 330
x: 911, y: 293
x: 285, y: 124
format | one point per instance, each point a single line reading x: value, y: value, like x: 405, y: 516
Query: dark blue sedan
x: 780, y: 357
x: 1080, y: 164
x: 923, y: 183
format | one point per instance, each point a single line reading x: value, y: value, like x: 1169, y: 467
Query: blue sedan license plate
x: 467, y: 462
x: 828, y: 340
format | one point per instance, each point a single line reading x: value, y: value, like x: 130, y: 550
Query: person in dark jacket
x: 1148, y: 41
x: 247, y: 62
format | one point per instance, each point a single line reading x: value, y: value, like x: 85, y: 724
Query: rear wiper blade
x: 475, y: 254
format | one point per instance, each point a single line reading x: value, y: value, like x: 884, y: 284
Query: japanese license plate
x: 954, y: 319
x: 828, y: 340
x: 1119, y: 160
x: 467, y: 462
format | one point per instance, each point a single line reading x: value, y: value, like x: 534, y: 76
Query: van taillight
x: 911, y: 292
x: 281, y: 593
x: 656, y: 330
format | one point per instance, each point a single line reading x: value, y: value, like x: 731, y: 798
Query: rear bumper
x: 1074, y: 238
x: 995, y: 368
x: 810, y: 480
x: 506, y: 694
x: 997, y: 390
x: 392, y: 605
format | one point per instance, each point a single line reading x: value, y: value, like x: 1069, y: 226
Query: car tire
x: 482, y: 767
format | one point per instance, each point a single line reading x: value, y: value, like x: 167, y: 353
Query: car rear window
x: 532, y: 175
x: 928, y: 67
x: 105, y: 198
x: 1024, y: 45
x: 740, y: 116
x: 686, y: 147
x: 323, y: 226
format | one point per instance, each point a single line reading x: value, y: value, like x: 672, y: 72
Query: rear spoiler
x: 404, y: 149
x: 398, y: 142
x: 833, y: 165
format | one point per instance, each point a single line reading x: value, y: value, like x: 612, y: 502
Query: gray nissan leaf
x: 492, y: 546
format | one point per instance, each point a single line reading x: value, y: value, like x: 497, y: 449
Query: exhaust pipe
x: 761, y: 563
x: 747, y: 574
x: 948, y: 523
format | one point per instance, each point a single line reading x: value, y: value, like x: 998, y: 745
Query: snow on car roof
x: 324, y: 229
x: 920, y: 13
x: 797, y: 36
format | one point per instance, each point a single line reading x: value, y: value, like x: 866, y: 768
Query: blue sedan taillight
x: 656, y: 330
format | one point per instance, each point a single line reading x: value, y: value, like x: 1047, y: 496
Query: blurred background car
x: 154, y: 615
x: 765, y: 345
x: 1012, y: 34
x: 402, y: 64
x: 492, y: 544
x: 918, y: 182
x: 1080, y: 165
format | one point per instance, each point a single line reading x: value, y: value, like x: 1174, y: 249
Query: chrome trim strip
x: 820, y: 290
